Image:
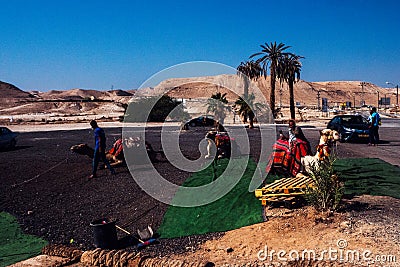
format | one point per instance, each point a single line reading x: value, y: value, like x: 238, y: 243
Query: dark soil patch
x: 46, y: 187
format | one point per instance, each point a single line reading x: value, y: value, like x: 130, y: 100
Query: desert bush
x: 327, y: 191
x: 155, y: 109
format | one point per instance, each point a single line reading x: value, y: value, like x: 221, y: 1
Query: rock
x: 345, y: 224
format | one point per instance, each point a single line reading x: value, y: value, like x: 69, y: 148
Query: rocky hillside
x: 15, y: 101
x: 79, y: 102
x: 306, y: 93
x: 11, y: 91
x: 10, y: 94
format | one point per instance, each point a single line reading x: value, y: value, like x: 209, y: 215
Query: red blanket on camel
x: 286, y: 160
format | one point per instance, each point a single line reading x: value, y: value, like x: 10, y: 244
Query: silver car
x: 8, y: 138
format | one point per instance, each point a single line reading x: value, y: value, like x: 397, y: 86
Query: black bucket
x: 104, y: 234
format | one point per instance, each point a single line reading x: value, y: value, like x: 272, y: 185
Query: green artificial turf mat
x: 16, y: 246
x: 236, y: 209
x: 240, y: 207
x: 364, y: 176
x: 369, y: 176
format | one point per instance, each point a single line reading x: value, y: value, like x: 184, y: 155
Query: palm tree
x: 289, y: 71
x: 245, y: 107
x: 217, y: 105
x: 271, y: 53
x: 249, y: 70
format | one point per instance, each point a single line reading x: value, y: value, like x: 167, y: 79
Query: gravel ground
x: 46, y: 187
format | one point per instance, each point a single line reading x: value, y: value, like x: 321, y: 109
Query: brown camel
x: 84, y: 149
x: 115, y: 155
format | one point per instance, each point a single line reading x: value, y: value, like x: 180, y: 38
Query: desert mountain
x: 81, y: 94
x: 11, y: 91
x: 80, y: 102
x: 306, y: 93
x: 15, y: 101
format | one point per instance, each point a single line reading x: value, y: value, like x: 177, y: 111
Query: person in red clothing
x: 296, y: 135
x: 288, y: 151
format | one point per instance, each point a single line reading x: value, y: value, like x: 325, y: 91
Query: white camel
x: 328, y: 137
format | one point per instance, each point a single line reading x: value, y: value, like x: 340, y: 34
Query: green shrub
x: 155, y: 109
x: 328, y: 189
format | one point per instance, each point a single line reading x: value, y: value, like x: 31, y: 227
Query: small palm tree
x: 217, y: 105
x: 289, y: 71
x: 246, y: 107
x: 270, y: 54
x: 249, y: 70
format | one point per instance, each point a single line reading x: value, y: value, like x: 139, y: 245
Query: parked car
x: 350, y: 127
x: 205, y: 120
x: 8, y: 138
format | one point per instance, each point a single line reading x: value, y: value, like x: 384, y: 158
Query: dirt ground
x: 45, y: 186
x: 368, y: 226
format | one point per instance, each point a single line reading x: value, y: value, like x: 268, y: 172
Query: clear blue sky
x: 64, y: 44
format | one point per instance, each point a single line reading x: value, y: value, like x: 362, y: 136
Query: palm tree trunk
x: 244, y: 118
x: 272, y: 94
x: 291, y: 100
x: 251, y: 120
x: 246, y: 86
x: 251, y: 123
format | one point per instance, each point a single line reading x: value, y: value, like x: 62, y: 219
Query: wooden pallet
x: 284, y: 190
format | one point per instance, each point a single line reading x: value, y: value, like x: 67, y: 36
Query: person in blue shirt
x: 374, y: 120
x: 99, y: 149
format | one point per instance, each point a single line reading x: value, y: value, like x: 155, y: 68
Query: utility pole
x: 362, y: 93
x: 378, y: 99
x: 397, y: 92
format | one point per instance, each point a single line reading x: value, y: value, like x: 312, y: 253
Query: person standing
x: 99, y: 149
x: 374, y: 121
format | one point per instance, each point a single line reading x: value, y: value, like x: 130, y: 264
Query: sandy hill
x: 11, y: 91
x: 306, y: 93
x: 72, y: 94
x: 199, y: 87
x: 10, y: 94
x: 76, y: 94
x: 340, y: 91
x: 84, y: 102
x: 72, y: 102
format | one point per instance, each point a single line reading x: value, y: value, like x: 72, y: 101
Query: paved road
x: 388, y: 150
